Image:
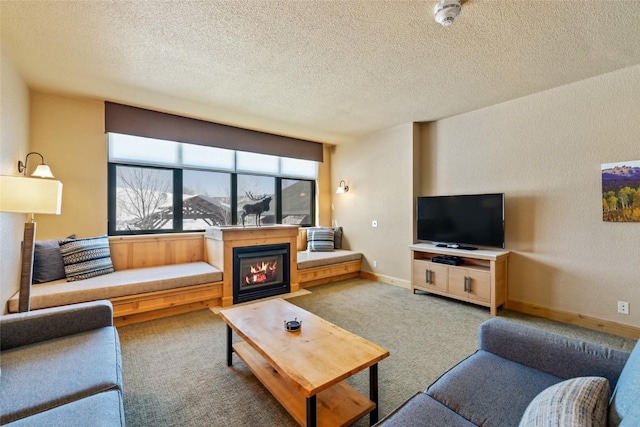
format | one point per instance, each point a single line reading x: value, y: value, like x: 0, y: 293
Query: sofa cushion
x: 320, y: 239
x: 576, y: 402
x: 489, y: 390
x: 20, y: 329
x: 421, y: 410
x: 631, y: 418
x: 86, y: 258
x: 121, y: 283
x: 99, y: 410
x: 47, y: 374
x: 308, y: 259
x: 626, y: 394
x: 556, y: 354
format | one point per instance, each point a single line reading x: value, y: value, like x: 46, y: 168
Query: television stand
x: 456, y: 246
x: 480, y: 277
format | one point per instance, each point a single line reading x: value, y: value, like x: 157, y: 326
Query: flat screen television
x: 463, y: 221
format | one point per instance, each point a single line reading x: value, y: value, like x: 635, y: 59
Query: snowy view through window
x: 165, y: 194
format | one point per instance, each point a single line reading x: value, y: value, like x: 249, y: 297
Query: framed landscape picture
x: 621, y: 191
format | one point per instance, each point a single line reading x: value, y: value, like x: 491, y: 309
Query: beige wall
x: 544, y: 152
x: 378, y: 171
x: 69, y: 132
x: 14, y: 142
x: 323, y: 207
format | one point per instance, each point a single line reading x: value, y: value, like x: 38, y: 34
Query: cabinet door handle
x: 429, y: 277
x: 467, y: 284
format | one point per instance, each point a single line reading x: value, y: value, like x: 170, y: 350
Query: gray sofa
x: 61, y: 367
x: 517, y: 377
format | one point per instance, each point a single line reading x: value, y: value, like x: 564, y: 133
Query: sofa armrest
x: 556, y: 354
x: 39, y: 325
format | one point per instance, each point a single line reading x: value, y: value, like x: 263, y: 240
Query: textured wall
x: 69, y: 132
x: 378, y: 170
x: 544, y: 151
x: 14, y: 141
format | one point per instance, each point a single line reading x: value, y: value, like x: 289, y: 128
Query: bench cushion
x: 308, y: 259
x: 120, y: 283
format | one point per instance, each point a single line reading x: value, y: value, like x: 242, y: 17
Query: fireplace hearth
x: 260, y: 271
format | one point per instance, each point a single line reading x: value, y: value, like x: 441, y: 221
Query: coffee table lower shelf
x: 339, y: 405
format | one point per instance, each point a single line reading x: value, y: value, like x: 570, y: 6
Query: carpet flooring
x: 175, y: 372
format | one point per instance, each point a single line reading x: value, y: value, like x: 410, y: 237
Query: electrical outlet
x: 374, y: 223
x: 623, y: 307
x: 375, y: 264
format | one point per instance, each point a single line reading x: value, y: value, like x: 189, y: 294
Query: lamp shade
x: 30, y: 195
x: 42, y: 171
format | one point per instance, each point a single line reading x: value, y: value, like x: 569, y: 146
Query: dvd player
x: 447, y: 259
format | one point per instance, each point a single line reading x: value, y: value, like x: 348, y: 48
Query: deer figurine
x: 255, y: 208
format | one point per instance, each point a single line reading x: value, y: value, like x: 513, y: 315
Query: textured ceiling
x: 328, y: 71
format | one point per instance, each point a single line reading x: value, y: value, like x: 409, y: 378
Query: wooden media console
x: 480, y: 279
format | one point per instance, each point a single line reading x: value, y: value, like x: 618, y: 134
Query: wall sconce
x: 42, y: 171
x: 342, y: 188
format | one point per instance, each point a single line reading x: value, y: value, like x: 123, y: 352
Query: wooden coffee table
x: 304, y: 370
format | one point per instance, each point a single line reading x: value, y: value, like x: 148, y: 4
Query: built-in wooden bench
x: 155, y: 276
x: 128, y: 252
x: 317, y: 268
x: 161, y: 275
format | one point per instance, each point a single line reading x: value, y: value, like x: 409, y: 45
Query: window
x: 297, y: 201
x: 206, y: 199
x: 163, y: 186
x: 143, y: 198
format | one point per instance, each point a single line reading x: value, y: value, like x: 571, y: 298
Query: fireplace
x: 260, y: 271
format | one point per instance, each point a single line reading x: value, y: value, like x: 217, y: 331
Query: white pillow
x: 576, y: 402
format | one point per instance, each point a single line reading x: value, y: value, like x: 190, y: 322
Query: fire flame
x: 261, y: 273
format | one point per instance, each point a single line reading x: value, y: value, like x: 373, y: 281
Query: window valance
x: 136, y: 121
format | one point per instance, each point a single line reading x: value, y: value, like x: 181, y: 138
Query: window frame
x: 177, y: 226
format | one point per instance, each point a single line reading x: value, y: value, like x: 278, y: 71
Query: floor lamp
x: 22, y: 194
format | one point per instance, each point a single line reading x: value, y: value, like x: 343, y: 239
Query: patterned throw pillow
x: 576, y: 402
x: 85, y: 258
x: 320, y: 239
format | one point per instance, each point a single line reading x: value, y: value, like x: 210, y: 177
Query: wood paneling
x: 328, y: 273
x: 154, y: 250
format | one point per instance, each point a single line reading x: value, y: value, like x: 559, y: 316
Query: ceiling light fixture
x: 446, y: 11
